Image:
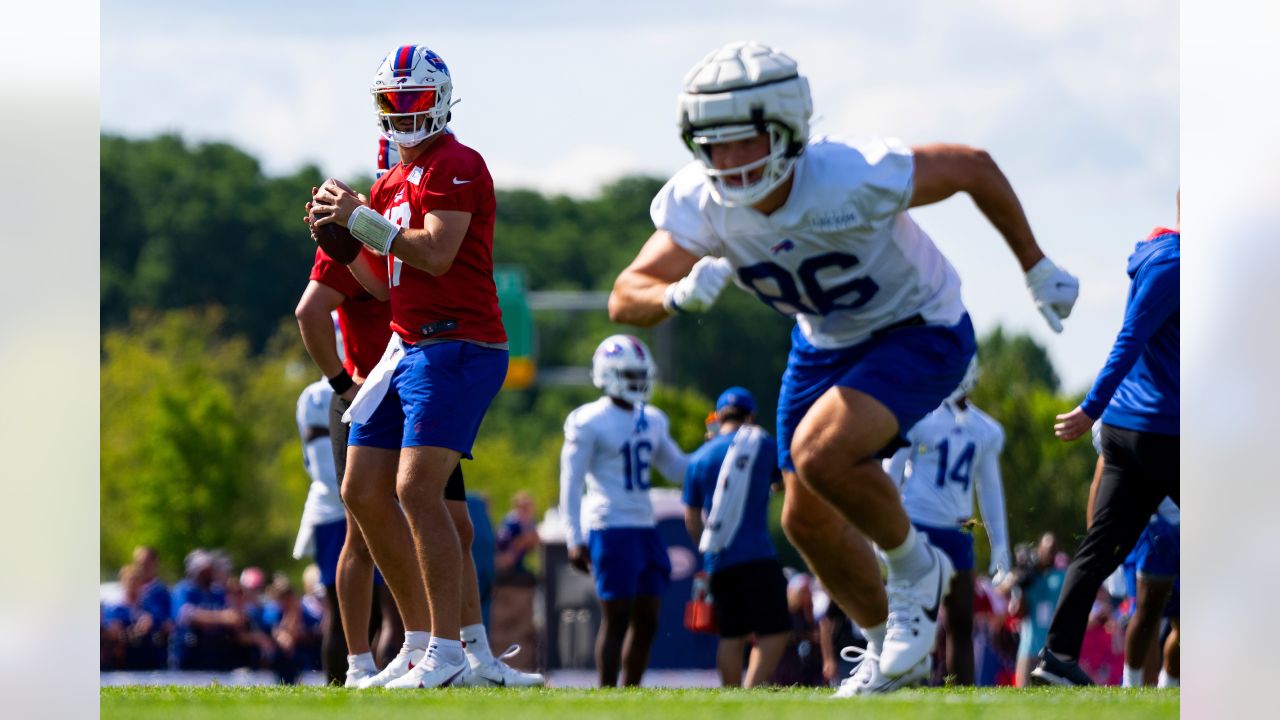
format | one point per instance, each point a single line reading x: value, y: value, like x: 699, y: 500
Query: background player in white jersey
x: 818, y: 230
x: 324, y: 519
x: 609, y: 447
x: 952, y: 452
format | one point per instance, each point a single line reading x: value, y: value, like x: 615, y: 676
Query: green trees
x: 204, y: 258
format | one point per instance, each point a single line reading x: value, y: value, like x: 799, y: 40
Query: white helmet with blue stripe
x: 624, y: 369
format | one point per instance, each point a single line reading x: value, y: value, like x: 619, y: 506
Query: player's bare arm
x: 431, y: 248
x: 637, y: 297
x: 942, y: 170
x: 316, y: 326
x: 693, y: 522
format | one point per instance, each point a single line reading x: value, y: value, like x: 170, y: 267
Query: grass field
x: 313, y: 703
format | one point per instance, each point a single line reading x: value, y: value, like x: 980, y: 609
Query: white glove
x: 1055, y: 291
x: 697, y: 291
x: 999, y: 569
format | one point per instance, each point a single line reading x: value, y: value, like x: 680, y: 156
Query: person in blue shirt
x: 1136, y: 396
x: 726, y: 497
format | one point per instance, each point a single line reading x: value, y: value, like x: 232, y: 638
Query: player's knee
x: 818, y: 464
x: 356, y: 496
x: 801, y: 526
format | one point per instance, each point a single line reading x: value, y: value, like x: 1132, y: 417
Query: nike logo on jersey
x: 456, y: 181
x: 783, y: 246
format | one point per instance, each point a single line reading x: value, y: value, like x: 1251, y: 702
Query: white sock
x: 911, y: 559
x: 476, y: 642
x: 417, y: 639
x: 363, y: 661
x: 446, y: 651
x: 1166, y: 680
x: 1132, y: 677
x: 875, y: 638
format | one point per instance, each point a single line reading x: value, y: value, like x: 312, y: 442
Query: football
x: 338, y: 242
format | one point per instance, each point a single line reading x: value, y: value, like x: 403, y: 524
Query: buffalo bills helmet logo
x: 436, y: 61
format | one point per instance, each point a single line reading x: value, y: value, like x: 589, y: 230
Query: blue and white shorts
x: 911, y: 370
x: 628, y: 561
x: 438, y: 395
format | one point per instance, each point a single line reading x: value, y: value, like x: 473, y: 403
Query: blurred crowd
x: 1011, y: 619
x: 211, y: 619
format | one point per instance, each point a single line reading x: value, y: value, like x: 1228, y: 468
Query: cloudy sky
x: 1077, y: 101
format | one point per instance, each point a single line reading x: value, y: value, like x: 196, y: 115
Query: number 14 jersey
x: 610, y: 451
x: 841, y: 255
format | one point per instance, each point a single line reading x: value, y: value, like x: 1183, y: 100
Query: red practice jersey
x: 365, y: 321
x: 463, y: 302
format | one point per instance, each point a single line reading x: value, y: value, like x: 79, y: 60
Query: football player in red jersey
x: 420, y: 409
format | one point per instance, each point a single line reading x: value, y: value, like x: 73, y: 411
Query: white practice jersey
x: 324, y: 504
x: 842, y: 255
x: 951, y: 454
x: 609, y: 451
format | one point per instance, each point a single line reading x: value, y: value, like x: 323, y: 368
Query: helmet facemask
x: 775, y: 167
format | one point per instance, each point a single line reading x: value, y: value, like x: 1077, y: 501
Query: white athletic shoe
x: 404, y: 661
x: 866, y: 678
x: 497, y: 673
x: 432, y: 675
x: 911, y: 630
x: 355, y: 676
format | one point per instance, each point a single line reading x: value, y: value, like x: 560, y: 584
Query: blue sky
x: 1078, y: 102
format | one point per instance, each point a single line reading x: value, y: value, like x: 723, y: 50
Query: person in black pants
x: 1137, y: 397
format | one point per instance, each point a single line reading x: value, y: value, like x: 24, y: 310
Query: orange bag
x: 699, y: 611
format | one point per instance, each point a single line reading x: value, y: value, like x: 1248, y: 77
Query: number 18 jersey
x: 841, y: 255
x: 610, y: 451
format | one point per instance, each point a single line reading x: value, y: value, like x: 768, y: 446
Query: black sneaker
x: 1052, y: 671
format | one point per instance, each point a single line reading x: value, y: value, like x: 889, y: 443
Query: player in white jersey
x: 818, y: 230
x: 609, y: 447
x: 324, y: 519
x: 951, y: 453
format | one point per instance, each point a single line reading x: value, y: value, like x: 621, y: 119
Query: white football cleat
x: 355, y: 676
x: 912, y: 627
x: 497, y: 673
x: 432, y: 674
x: 404, y: 661
x: 866, y: 678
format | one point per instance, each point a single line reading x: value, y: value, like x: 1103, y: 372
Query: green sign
x: 517, y: 318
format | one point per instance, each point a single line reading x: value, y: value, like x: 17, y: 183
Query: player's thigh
x: 424, y: 471
x: 1153, y: 594
x: 445, y: 390
x: 371, y: 475
x: 844, y: 427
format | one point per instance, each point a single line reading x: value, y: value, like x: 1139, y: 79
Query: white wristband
x: 370, y: 228
x: 669, y: 302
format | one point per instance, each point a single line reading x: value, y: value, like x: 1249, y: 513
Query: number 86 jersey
x: 610, y: 451
x: 841, y: 255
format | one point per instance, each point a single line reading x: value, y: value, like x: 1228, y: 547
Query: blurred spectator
x: 802, y: 660
x: 155, y: 596
x: 995, y: 645
x: 294, y: 631
x: 1102, y: 652
x: 205, y: 629
x: 313, y: 591
x: 1035, y: 584
x: 516, y: 538
x: 251, y: 645
x: 134, y: 637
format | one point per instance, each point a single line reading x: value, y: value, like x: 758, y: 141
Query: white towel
x: 375, y: 386
x: 732, y: 486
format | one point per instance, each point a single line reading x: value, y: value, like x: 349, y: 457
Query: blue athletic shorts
x: 1158, y: 551
x: 956, y: 543
x: 627, y: 562
x: 909, y: 369
x: 437, y: 398
x: 329, y: 539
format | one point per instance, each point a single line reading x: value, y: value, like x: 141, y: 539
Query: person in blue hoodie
x: 1136, y: 396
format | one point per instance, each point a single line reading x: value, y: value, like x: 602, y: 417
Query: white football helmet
x: 741, y: 90
x: 623, y: 368
x: 412, y: 81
